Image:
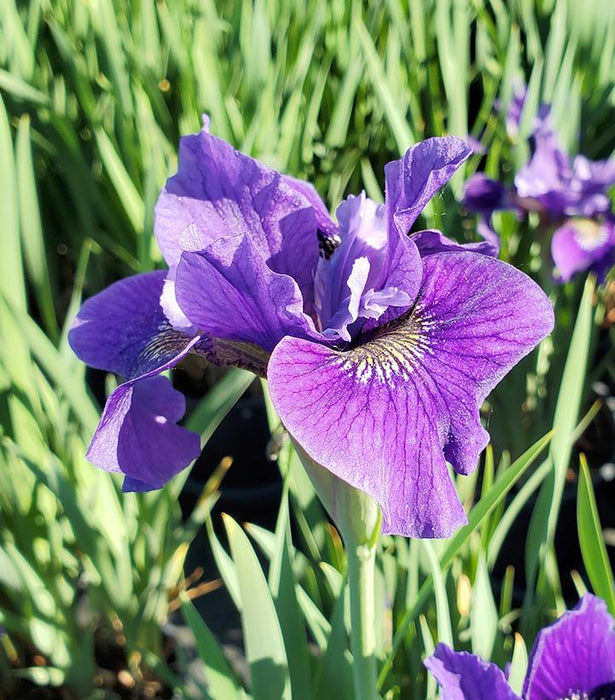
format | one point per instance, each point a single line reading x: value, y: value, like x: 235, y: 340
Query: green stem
x: 361, y: 570
x: 358, y: 519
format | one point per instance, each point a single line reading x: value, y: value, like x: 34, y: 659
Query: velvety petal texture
x: 384, y: 415
x: 574, y: 655
x: 124, y: 330
x: 463, y: 676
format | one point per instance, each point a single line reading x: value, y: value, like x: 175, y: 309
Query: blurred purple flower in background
x: 570, y: 194
x: 573, y: 659
x: 379, y: 345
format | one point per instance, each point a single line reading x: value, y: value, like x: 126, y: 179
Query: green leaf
x: 31, y: 228
x: 264, y: 643
x: 124, y: 186
x: 220, y: 679
x: 518, y: 665
x: 481, y: 510
x: 483, y: 614
x: 544, y: 518
x: 438, y: 576
x: 591, y: 539
x: 283, y: 587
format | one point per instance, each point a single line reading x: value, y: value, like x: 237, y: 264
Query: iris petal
x: 137, y: 434
x: 413, y: 180
x: 124, y: 330
x: 430, y: 241
x: 463, y: 676
x: 383, y: 415
x: 574, y: 655
x: 220, y: 192
x: 230, y: 293
x: 581, y: 244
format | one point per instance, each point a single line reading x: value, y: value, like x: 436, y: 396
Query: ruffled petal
x: 229, y: 292
x: 138, y: 436
x: 574, y: 655
x: 463, y: 676
x: 371, y: 271
x: 582, y: 244
x: 220, y: 192
x: 383, y: 415
x: 413, y: 180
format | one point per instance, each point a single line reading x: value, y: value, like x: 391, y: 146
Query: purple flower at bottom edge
x: 379, y: 346
x: 572, y: 659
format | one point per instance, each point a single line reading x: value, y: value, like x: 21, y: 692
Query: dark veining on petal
x: 394, y: 352
x: 166, y: 342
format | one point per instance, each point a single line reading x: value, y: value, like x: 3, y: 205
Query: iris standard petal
x: 383, y: 415
x: 583, y: 244
x: 220, y: 192
x: 413, y: 180
x: 574, y: 655
x: 138, y: 436
x: 463, y: 676
x: 372, y: 271
x: 229, y: 293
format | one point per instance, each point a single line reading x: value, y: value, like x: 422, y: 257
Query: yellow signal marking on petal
x: 394, y: 354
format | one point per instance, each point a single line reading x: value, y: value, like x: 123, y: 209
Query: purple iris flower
x: 571, y: 194
x: 379, y: 346
x: 584, y: 244
x: 573, y: 659
x: 552, y: 183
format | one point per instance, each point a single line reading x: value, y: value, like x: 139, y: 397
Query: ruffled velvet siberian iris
x: 570, y: 195
x: 573, y: 659
x: 379, y: 346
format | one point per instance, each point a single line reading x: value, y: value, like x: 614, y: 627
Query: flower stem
x: 361, y: 569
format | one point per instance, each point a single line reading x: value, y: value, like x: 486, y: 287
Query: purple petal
x: 484, y: 195
x: 229, y: 292
x: 413, y: 180
x: 220, y: 192
x: 463, y: 676
x: 124, y: 330
x: 515, y: 110
x: 430, y: 241
x: 383, y: 415
x: 582, y: 244
x: 597, y: 173
x: 371, y: 270
x: 137, y: 434
x: 574, y: 655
